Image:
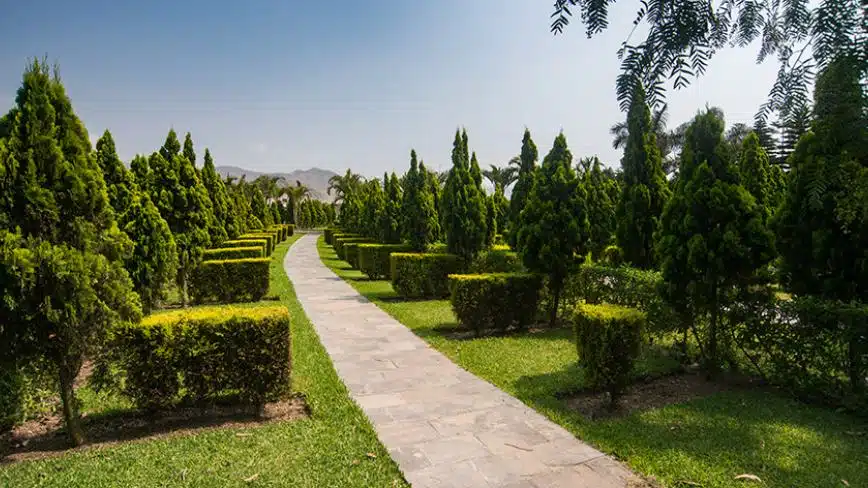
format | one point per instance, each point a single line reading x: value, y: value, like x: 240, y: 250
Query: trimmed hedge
x: 290, y: 230
x: 497, y: 260
x: 340, y: 241
x: 351, y: 253
x: 232, y: 253
x: 263, y: 243
x: 374, y: 258
x: 422, y: 275
x: 230, y: 280
x: 280, y: 230
x: 328, y: 234
x: 207, y: 353
x: 266, y: 236
x: 608, y: 339
x: 496, y: 300
x: 340, y: 234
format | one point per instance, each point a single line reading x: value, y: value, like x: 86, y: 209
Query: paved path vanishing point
x: 444, y: 426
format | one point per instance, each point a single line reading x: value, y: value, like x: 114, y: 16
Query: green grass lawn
x: 329, y: 449
x: 705, y: 442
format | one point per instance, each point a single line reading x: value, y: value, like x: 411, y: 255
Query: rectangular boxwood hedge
x: 496, y: 300
x: 233, y: 253
x: 374, y: 258
x: 290, y: 230
x: 280, y: 230
x: 267, y: 236
x: 339, y: 244
x: 230, y: 280
x: 338, y: 235
x: 206, y: 353
x: 422, y: 275
x: 351, y: 252
x: 329, y: 233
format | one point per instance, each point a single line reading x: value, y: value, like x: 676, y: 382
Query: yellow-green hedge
x: 206, y: 353
x: 495, y: 300
x: 233, y: 253
x: 280, y: 231
x: 374, y: 258
x: 340, y: 241
x: 341, y: 234
x: 329, y: 233
x: 608, y: 339
x: 422, y: 275
x: 267, y: 236
x: 230, y: 280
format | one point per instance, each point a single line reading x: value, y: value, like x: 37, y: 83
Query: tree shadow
x: 47, y: 437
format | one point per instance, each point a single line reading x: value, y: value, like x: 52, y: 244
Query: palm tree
x: 297, y: 194
x: 667, y: 141
x: 501, y: 177
x: 342, y: 185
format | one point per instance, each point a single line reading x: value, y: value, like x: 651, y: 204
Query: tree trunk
x: 553, y: 314
x: 712, y: 335
x: 70, y: 406
x: 184, y: 296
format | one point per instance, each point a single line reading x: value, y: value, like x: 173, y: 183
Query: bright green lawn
x: 707, y: 441
x: 329, y: 449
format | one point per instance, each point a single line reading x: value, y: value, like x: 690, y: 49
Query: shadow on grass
x: 38, y: 439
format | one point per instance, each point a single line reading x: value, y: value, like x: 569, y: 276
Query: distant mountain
x: 316, y: 179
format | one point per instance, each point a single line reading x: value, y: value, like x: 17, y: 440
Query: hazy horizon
x: 272, y: 89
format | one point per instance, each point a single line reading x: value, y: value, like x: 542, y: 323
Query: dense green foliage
x: 601, y: 208
x: 645, y: 190
x: 422, y: 275
x: 268, y: 237
x: 420, y: 226
x: 230, y: 280
x: 373, y: 259
x: 498, y: 259
x: 233, y: 253
x: 757, y: 176
x: 463, y: 204
x: 494, y: 301
x: 391, y: 215
x: 223, y: 205
x: 609, y: 339
x: 554, y: 231
x: 340, y: 241
x: 521, y: 191
x: 206, y: 353
x: 713, y: 239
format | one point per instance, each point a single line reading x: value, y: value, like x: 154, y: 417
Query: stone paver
x: 444, y: 426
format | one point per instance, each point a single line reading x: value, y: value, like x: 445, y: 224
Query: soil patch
x: 656, y: 393
x: 46, y: 437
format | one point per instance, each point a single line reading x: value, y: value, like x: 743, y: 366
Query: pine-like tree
x: 222, y: 204
x: 390, y: 218
x: 601, y: 208
x: 141, y: 173
x: 521, y: 190
x: 645, y: 190
x: 713, y: 238
x: 61, y: 272
x: 183, y: 201
x: 420, y: 225
x: 435, y: 190
x: 172, y: 147
x: 258, y: 205
x: 153, y: 263
x: 554, y: 231
x: 463, y: 204
x: 188, y: 151
x: 491, y: 216
x: 373, y: 207
x: 756, y: 174
x: 502, y: 206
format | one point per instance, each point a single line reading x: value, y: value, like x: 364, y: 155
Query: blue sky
x: 281, y: 85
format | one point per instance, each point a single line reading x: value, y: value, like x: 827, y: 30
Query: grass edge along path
x: 706, y: 442
x: 337, y: 446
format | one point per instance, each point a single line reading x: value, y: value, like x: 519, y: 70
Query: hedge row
x: 608, y: 339
x: 206, y: 353
x: 496, y: 300
x: 233, y: 253
x: 281, y: 231
x: 500, y: 259
x: 230, y: 280
x: 260, y: 236
x: 351, y: 253
x: 374, y: 258
x: 422, y: 275
x: 328, y: 235
x: 341, y: 241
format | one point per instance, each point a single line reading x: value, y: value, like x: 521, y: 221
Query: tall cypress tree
x: 183, y: 201
x: 435, y: 190
x: 463, y: 205
x: 420, y: 219
x: 601, y: 208
x: 258, y: 205
x: 390, y: 218
x: 491, y: 217
x: 554, y: 231
x: 223, y: 206
x: 756, y: 173
x: 141, y: 172
x: 171, y: 147
x: 154, y: 259
x: 645, y: 190
x: 188, y: 151
x: 61, y: 272
x: 713, y: 238
x: 374, y: 206
x: 523, y: 185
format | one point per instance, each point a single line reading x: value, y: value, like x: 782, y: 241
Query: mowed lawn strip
x: 335, y: 447
x: 701, y: 443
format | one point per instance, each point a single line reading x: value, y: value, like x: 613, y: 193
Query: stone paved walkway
x: 443, y: 426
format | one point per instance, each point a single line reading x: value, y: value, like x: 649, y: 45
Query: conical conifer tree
x: 645, y: 190
x: 222, y: 204
x: 523, y: 185
x: 601, y: 208
x: 61, y: 275
x: 420, y: 218
x: 390, y: 218
x: 120, y: 184
x: 756, y: 173
x: 463, y: 205
x: 189, y: 152
x: 554, y: 231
